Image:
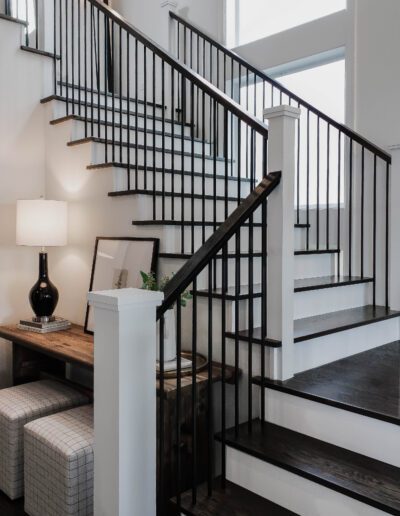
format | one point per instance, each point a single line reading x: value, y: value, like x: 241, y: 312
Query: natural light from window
x: 249, y: 20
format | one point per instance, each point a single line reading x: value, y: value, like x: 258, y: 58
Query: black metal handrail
x: 208, y: 251
x: 276, y: 84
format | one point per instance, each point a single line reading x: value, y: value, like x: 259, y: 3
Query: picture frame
x: 117, y: 262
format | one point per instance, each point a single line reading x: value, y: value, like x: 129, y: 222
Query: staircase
x: 183, y: 137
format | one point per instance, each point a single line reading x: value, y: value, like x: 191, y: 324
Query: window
x: 324, y: 88
x: 249, y: 20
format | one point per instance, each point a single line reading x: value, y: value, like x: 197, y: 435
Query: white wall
x: 152, y: 18
x: 22, y: 173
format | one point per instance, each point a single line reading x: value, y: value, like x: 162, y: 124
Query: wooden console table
x: 36, y: 353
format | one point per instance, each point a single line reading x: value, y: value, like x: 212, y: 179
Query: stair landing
x: 367, y: 383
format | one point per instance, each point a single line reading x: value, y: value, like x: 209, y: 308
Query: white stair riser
x: 168, y: 180
x: 170, y: 237
x: 317, y: 302
x: 329, y: 348
x: 121, y: 155
x: 333, y: 425
x: 302, y: 496
x: 109, y: 133
x: 315, y: 265
x: 59, y: 110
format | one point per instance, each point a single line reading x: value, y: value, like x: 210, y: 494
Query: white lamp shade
x: 42, y: 223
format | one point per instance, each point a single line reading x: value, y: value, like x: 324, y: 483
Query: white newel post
x: 280, y: 299
x: 394, y: 240
x: 125, y: 401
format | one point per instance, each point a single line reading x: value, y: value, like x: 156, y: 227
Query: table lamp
x: 42, y: 223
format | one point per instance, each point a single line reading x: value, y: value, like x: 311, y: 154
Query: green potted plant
x: 150, y: 283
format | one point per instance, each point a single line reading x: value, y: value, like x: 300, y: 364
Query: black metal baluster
x: 107, y: 66
x: 308, y: 184
x: 178, y: 399
x: 203, y: 169
x: 350, y: 204
x: 318, y: 170
x: 192, y: 167
x: 154, y: 150
x: 251, y: 290
x: 128, y: 110
x: 113, y: 88
x: 172, y: 175
x: 362, y: 211
x: 54, y: 41
x: 374, y: 234
x: 338, y: 200
x: 98, y: 78
x: 36, y: 22
x: 327, y: 183
x: 66, y: 56
x: 161, y: 428
x: 79, y: 59
x: 85, y: 32
x: 210, y: 404
x: 298, y: 170
x: 136, y: 115
x: 163, y: 135
x: 387, y: 181
x: 224, y: 268
x: 91, y: 71
x: 145, y: 115
x: 182, y: 171
x: 120, y: 95
x: 72, y: 53
x: 194, y: 394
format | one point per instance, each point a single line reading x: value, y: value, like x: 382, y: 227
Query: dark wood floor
x: 9, y: 508
x: 362, y: 478
x: 367, y: 383
x: 231, y: 501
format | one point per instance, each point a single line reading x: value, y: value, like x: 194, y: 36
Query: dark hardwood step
x: 322, y: 282
x: 362, y: 478
x: 90, y: 106
x: 326, y: 324
x: 318, y: 251
x: 177, y: 172
x: 110, y: 95
x: 185, y: 195
x: 12, y: 19
x: 366, y: 383
x: 42, y: 53
x: 300, y: 285
x: 232, y: 500
x: 89, y: 120
x: 191, y: 223
x: 148, y: 148
x: 186, y: 256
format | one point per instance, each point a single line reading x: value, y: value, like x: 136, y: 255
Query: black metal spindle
x: 145, y: 116
x: 374, y: 232
x: 210, y: 404
x: 362, y: 211
x: 328, y: 156
x: 194, y: 393
x: 318, y: 182
x: 387, y: 186
x: 178, y: 399
x: 128, y: 110
x: 350, y: 205
x: 161, y: 424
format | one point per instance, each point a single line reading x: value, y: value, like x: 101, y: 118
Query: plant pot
x: 169, y: 337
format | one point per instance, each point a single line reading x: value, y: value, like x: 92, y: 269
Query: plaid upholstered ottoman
x: 59, y: 464
x: 20, y: 405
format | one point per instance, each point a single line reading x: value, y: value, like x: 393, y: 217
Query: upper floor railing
x: 342, y: 179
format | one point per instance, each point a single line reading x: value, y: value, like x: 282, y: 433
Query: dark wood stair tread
x: 150, y: 131
x: 12, y: 19
x: 141, y: 168
x: 367, y: 480
x: 321, y: 282
x: 300, y: 285
x: 325, y: 324
x: 159, y: 193
x: 366, y: 383
x: 148, y: 148
x: 90, y: 106
x: 233, y: 500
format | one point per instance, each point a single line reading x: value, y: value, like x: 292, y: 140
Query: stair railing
x: 190, y: 465
x: 342, y: 179
x: 126, y: 93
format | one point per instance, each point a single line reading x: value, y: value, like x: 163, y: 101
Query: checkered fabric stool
x: 59, y: 464
x: 20, y: 405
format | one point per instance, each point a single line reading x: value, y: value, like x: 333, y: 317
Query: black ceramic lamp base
x: 43, y: 296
